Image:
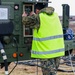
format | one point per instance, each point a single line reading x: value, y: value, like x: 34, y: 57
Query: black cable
x: 61, y: 70
x: 38, y: 65
x: 4, y: 56
x: 15, y: 41
x: 12, y: 69
x: 6, y: 65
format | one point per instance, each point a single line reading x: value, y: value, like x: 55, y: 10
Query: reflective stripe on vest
x: 48, y: 38
x: 48, y: 52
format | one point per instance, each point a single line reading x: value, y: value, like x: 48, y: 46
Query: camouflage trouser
x: 49, y: 66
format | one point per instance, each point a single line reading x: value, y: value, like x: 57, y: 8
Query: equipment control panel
x: 27, y: 32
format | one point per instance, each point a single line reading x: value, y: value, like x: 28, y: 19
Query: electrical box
x: 27, y: 32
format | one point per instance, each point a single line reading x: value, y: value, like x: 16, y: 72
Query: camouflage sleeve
x: 31, y: 21
x: 47, y: 10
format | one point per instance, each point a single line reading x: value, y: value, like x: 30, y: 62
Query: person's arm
x: 31, y: 21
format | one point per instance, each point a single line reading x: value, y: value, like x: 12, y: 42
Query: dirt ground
x: 32, y: 70
x: 22, y: 69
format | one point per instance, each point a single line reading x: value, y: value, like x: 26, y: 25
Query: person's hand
x: 32, y: 13
x: 24, y: 14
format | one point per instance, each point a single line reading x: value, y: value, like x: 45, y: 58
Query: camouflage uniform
x: 34, y: 20
x: 49, y: 66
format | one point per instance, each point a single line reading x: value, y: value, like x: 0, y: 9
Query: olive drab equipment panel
x: 15, y: 37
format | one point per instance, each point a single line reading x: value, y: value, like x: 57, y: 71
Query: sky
x: 57, y: 4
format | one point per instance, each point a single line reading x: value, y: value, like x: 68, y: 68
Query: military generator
x: 15, y: 38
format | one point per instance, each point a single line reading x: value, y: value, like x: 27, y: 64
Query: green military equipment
x: 69, y: 43
x: 17, y: 38
x: 66, y: 15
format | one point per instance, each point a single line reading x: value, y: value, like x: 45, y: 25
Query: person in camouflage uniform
x: 49, y: 66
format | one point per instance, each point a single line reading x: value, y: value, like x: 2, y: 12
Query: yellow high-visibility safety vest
x: 48, y: 41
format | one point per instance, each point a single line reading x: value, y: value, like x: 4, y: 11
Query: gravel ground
x: 32, y: 70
